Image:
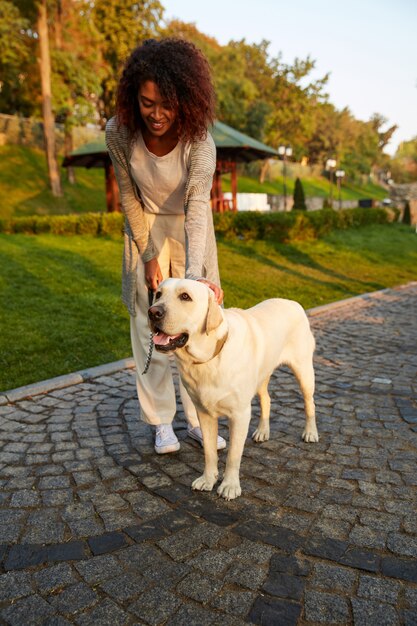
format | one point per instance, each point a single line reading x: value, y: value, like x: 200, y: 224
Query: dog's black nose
x: 155, y: 313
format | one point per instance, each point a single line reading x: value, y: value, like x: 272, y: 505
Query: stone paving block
x: 284, y: 585
x: 367, y: 537
x: 108, y: 542
x: 251, y: 552
x: 369, y: 613
x: 271, y: 611
x: 404, y: 569
x: 410, y: 596
x: 99, y: 568
x: 146, y: 505
x: 333, y: 578
x: 73, y: 599
x: 402, y: 544
x: 235, y: 603
x: 114, y: 520
x: 56, y: 620
x: 147, y: 530
x: 69, y: 551
x: 106, y: 614
x: 25, y: 555
x: 272, y: 535
x: 125, y: 587
x: 155, y: 606
x: 181, y: 545
x: 212, y: 562
x: 378, y: 589
x: 199, y: 588
x: 190, y: 614
x: 14, y: 585
x: 52, y: 578
x: 326, y: 608
x: 361, y: 559
x: 31, y: 610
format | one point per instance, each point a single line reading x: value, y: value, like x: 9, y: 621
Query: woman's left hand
x: 218, y: 292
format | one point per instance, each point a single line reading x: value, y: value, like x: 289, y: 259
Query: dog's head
x: 184, y: 312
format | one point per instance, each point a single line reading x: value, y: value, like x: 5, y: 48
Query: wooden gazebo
x: 232, y: 147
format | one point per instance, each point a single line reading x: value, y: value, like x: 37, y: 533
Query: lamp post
x: 330, y: 165
x: 284, y: 152
x: 339, y: 175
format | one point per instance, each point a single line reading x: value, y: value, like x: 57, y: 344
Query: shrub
x: 407, y: 214
x: 299, y: 197
x: 63, y: 224
x: 112, y: 224
x: 88, y: 223
x: 24, y: 225
x: 294, y: 225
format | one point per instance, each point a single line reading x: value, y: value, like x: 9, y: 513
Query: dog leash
x: 151, y: 344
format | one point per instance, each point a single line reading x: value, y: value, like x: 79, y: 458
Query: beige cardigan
x: 201, y: 250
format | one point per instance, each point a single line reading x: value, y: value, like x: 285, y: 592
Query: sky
x: 369, y: 47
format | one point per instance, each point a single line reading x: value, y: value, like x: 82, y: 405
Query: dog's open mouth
x: 165, y: 343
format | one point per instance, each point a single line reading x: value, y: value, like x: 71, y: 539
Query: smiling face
x: 157, y: 114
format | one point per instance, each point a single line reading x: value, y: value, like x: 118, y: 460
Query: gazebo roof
x: 231, y: 144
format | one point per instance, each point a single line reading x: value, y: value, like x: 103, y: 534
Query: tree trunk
x: 48, y: 118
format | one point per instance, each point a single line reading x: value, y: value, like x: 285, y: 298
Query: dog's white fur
x: 228, y: 358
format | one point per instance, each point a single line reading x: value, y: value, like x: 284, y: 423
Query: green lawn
x: 60, y: 308
x: 24, y: 186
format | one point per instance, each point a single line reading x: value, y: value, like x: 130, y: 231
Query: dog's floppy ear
x: 214, y: 315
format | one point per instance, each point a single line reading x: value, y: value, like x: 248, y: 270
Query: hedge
x: 280, y: 227
x: 294, y: 225
x: 74, y: 224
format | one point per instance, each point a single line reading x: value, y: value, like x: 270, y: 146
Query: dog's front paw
x: 310, y: 436
x: 229, y: 490
x: 204, y: 483
x: 261, y: 434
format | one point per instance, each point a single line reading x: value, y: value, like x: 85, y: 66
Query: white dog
x: 225, y: 357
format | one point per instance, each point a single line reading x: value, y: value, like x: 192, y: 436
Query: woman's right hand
x: 153, y: 274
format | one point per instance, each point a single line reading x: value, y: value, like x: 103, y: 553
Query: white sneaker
x: 195, y: 433
x: 165, y: 439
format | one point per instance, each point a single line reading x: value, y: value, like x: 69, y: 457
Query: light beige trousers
x: 155, y: 389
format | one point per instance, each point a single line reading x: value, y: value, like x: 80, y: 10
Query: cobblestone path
x: 97, y: 529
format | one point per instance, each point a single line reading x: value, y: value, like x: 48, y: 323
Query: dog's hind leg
x: 304, y: 373
x: 262, y: 432
x: 209, y: 427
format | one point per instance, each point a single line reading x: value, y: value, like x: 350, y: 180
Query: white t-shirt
x: 161, y: 179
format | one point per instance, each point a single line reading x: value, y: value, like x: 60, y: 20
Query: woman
x: 164, y: 160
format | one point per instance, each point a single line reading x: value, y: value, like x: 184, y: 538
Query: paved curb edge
x: 60, y: 382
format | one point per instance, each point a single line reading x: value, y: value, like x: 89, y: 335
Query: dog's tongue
x: 161, y: 339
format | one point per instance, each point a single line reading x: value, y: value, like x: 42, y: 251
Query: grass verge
x: 60, y: 308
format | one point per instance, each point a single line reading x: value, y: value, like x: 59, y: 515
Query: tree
x: 77, y: 66
x: 48, y: 118
x: 122, y: 25
x: 16, y: 55
x: 299, y: 197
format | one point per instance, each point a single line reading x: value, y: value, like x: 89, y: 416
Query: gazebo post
x: 234, y: 185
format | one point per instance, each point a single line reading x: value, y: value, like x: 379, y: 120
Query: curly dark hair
x: 183, y: 76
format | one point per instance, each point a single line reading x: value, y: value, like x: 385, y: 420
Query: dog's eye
x: 185, y: 296
x: 158, y: 295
